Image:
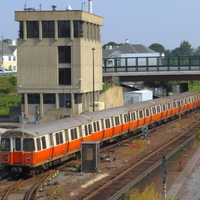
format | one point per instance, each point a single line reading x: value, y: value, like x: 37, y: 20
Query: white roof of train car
x: 56, y: 126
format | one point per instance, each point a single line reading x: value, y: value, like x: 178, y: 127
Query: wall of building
x: 113, y: 97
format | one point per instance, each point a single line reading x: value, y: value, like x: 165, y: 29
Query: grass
x: 149, y: 193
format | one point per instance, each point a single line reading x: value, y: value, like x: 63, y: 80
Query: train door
x: 51, y: 145
x: 17, y: 150
x: 67, y: 139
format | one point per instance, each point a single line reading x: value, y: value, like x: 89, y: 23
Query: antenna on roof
x: 90, y: 6
x: 25, y: 5
x: 40, y: 7
x: 83, y: 5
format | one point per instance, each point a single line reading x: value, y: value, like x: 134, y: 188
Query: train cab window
x: 5, y: 144
x: 18, y: 144
x: 117, y: 121
x: 66, y: 136
x: 107, y: 123
x: 38, y: 144
x: 44, y: 144
x: 28, y: 145
x: 74, y: 135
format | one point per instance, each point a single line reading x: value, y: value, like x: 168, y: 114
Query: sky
x: 140, y: 21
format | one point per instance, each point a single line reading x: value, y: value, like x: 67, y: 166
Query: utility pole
x: 93, y: 51
x: 2, y: 48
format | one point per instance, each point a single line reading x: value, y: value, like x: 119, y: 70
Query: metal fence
x: 151, y: 64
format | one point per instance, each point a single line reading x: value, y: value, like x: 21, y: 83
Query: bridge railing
x: 151, y: 64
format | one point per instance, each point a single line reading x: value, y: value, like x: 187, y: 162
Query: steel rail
x: 114, y: 188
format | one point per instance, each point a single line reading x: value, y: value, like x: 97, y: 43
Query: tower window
x: 48, y: 29
x: 32, y: 29
x: 63, y: 29
x: 64, y: 76
x: 64, y: 54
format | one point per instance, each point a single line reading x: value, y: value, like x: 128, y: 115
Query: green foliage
x: 157, y: 47
x: 8, y: 84
x: 185, y: 49
x: 106, y: 86
x: 194, y: 86
x: 8, y: 101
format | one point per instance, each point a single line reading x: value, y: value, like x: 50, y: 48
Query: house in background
x: 130, y: 55
x: 8, y: 55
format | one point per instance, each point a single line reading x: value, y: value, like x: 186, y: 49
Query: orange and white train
x: 42, y: 145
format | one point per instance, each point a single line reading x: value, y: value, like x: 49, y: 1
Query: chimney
x: 90, y: 6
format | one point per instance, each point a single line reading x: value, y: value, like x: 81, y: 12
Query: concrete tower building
x: 55, y: 60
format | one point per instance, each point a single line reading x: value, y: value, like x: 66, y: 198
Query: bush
x: 198, y: 136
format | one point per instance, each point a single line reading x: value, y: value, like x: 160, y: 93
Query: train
x: 43, y: 145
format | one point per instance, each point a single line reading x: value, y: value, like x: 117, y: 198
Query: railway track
x: 31, y: 194
x: 119, y: 184
x: 12, y: 188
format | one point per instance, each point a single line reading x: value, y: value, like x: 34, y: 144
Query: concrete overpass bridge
x: 152, y: 68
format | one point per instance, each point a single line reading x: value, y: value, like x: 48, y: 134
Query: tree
x: 157, y: 47
x: 185, y: 49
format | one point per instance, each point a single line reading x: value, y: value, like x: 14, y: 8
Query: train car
x: 43, y: 145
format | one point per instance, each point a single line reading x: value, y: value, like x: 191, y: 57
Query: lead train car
x: 42, y: 145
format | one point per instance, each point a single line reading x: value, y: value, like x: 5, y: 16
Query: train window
x: 133, y: 116
x: 107, y: 123
x: 163, y: 107
x: 86, y: 130
x: 102, y: 124
x: 80, y: 131
x: 174, y: 104
x: 90, y: 128
x: 169, y: 105
x: 140, y: 114
x: 178, y: 103
x: 51, y: 139
x: 28, y: 145
x: 5, y: 144
x: 44, y: 145
x: 153, y: 110
x: 74, y: 135
x: 38, y: 144
x: 59, y: 138
x: 98, y: 127
x: 147, y: 113
x: 18, y: 144
x: 113, y: 123
x: 66, y: 136
x: 121, y: 119
x: 95, y: 127
x: 158, y: 109
x: 117, y: 121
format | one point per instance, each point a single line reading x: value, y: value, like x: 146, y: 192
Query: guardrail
x: 151, y: 64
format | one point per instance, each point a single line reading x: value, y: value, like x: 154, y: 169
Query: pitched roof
x: 126, y: 49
